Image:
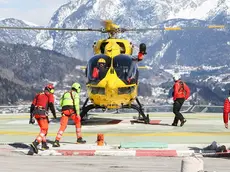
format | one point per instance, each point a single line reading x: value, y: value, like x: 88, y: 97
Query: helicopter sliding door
x: 126, y: 69
x: 97, y: 68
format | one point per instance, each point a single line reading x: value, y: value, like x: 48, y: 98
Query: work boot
x: 175, y: 122
x: 56, y: 143
x: 81, y: 141
x: 182, y: 122
x: 44, y: 146
x: 34, y: 146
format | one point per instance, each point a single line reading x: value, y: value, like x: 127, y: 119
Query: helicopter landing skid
x: 142, y: 116
x: 138, y: 107
x: 86, y: 109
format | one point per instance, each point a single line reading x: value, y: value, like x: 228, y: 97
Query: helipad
x: 200, y: 128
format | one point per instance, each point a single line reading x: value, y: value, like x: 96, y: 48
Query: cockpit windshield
x: 121, y: 44
x: 97, y: 67
x: 126, y: 69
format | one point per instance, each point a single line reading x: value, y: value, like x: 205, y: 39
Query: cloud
x: 4, y: 1
x: 35, y: 11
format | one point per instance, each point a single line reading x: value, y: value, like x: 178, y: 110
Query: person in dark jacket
x: 181, y: 92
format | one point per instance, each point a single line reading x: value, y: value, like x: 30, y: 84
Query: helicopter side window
x: 122, y: 47
x: 97, y: 68
x: 126, y: 69
x: 102, y: 47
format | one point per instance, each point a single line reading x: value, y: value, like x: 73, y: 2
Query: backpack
x: 182, y: 89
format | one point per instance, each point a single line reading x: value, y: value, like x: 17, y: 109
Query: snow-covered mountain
x: 17, y: 36
x: 167, y: 50
x: 132, y: 14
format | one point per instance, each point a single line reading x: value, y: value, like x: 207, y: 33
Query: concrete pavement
x: 199, y: 131
x: 20, y: 163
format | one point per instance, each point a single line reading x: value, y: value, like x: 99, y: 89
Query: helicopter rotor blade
x: 113, y: 28
x: 55, y: 29
x: 174, y: 28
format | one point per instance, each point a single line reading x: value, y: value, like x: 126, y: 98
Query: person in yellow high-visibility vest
x: 70, y: 103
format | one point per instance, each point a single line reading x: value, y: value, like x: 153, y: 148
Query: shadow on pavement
x: 101, y: 121
x: 110, y: 121
x: 19, y: 145
x: 161, y: 124
x: 23, y: 146
x: 51, y: 142
x: 152, y: 122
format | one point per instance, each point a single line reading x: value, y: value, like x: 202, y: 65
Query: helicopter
x: 117, y: 87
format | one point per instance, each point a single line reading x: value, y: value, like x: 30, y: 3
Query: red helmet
x: 50, y: 88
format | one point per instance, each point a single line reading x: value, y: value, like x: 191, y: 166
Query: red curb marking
x: 220, y: 153
x: 125, y: 121
x: 6, y: 149
x: 116, y: 121
x: 77, y: 152
x: 162, y: 153
x: 155, y: 121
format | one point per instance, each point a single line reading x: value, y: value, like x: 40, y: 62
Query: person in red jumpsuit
x: 181, y: 92
x: 100, y: 70
x: 226, y: 111
x: 42, y: 103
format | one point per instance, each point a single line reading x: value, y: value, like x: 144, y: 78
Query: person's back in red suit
x: 40, y: 106
x: 226, y: 111
x: 181, y: 92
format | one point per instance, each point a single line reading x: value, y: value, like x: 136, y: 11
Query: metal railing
x: 147, y: 108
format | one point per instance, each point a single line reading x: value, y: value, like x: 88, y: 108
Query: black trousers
x: 176, y: 110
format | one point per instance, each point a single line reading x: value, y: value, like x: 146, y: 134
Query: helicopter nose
x: 111, y: 88
x: 111, y: 84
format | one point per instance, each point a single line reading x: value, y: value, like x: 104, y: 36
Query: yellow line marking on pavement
x: 19, y: 133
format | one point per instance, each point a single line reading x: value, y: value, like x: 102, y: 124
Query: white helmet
x: 176, y: 77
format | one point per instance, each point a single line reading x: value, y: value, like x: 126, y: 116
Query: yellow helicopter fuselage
x: 126, y: 46
x: 113, y: 90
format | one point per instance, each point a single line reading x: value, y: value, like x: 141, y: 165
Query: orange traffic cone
x: 100, y: 139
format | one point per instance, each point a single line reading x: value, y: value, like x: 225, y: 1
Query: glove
x: 140, y: 56
x: 32, y: 120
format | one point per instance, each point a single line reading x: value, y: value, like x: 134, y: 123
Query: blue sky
x: 35, y: 11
